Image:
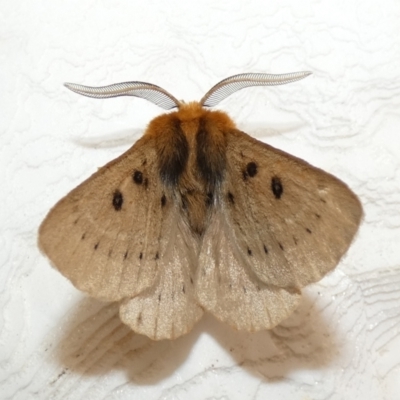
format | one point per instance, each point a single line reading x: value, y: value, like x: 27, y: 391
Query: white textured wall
x: 344, y: 341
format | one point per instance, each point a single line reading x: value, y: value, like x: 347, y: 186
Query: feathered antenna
x: 165, y: 100
x: 148, y: 91
x: 234, y: 83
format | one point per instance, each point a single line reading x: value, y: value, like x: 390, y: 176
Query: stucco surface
x: 344, y: 340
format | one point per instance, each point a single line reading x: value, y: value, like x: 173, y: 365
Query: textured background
x: 344, y: 340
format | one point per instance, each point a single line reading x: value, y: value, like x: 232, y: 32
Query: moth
x: 198, y: 216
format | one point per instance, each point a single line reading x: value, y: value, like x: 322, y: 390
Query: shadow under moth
x: 198, y: 216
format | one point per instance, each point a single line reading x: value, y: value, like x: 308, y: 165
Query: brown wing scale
x: 292, y: 222
x: 119, y: 236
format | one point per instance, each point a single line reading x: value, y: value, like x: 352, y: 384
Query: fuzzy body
x: 191, y: 144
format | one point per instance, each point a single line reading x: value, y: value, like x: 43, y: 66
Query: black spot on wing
x: 265, y: 249
x: 117, y: 200
x: 137, y: 177
x: 96, y: 246
x: 163, y: 200
x: 140, y: 255
x: 276, y: 187
x: 231, y: 198
x: 251, y: 169
x: 308, y: 230
x: 249, y: 252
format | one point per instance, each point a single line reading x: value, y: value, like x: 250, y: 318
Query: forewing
x: 291, y: 222
x: 110, y: 234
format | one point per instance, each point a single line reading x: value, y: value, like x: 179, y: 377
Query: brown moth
x: 197, y: 216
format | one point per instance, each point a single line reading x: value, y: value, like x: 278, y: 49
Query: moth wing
x: 292, y: 222
x: 280, y: 224
x: 118, y: 234
x: 168, y: 309
x: 228, y: 288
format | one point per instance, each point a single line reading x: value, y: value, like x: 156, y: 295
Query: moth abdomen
x: 195, y: 205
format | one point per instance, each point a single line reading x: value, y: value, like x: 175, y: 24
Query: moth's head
x: 194, y: 110
x: 189, y: 117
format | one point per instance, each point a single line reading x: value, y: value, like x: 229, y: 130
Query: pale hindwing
x: 113, y: 234
x: 168, y: 309
x: 227, y: 287
x: 291, y: 222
